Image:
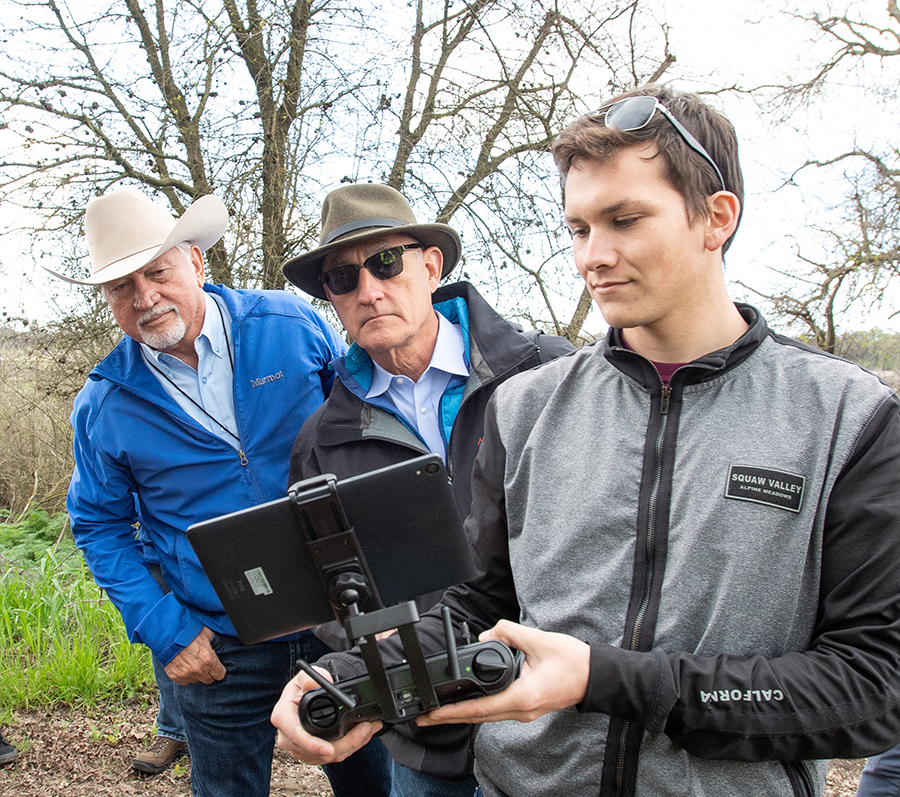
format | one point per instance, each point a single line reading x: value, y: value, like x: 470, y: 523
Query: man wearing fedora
x: 423, y: 364
x: 188, y: 418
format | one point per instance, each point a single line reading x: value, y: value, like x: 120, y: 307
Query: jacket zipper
x: 648, y: 553
x: 490, y: 381
x: 665, y: 395
x: 234, y: 358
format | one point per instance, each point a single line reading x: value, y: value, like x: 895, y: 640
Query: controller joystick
x: 322, y: 712
x: 488, y: 666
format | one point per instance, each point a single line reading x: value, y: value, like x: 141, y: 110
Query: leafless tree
x: 182, y: 98
x: 268, y: 103
x: 862, y: 254
x: 850, y: 39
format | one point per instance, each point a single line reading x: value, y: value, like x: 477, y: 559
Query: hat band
x: 353, y: 226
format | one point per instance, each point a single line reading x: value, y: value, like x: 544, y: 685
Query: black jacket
x: 347, y: 436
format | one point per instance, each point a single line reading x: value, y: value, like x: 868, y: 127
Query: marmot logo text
x: 266, y: 379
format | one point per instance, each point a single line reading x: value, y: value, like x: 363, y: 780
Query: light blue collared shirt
x: 419, y: 402
x: 212, y: 384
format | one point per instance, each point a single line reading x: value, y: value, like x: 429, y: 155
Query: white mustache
x: 147, y: 317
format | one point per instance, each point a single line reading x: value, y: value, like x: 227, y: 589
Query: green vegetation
x: 61, y: 640
x: 875, y: 349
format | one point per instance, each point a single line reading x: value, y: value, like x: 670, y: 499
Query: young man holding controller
x: 690, y: 528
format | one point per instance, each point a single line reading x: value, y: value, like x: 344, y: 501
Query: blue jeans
x: 169, y: 722
x: 881, y: 777
x: 367, y: 773
x: 230, y: 736
x: 410, y: 783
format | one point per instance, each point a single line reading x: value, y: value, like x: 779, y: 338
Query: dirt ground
x: 71, y: 753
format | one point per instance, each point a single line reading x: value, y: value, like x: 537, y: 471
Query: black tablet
x: 405, y: 519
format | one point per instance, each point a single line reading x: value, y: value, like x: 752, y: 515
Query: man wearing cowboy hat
x: 188, y: 418
x: 424, y: 362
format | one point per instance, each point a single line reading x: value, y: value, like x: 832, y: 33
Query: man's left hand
x: 554, y: 676
x: 197, y: 662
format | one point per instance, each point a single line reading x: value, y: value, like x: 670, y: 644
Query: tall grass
x: 61, y: 640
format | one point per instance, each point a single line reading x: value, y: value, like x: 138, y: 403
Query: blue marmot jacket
x: 139, y: 457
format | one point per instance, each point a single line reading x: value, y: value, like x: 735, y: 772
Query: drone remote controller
x: 483, y: 668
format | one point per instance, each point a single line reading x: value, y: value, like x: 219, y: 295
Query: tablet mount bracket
x: 341, y: 564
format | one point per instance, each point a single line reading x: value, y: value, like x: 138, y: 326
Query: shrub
x: 41, y: 370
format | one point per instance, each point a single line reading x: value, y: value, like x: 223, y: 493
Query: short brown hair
x: 588, y: 138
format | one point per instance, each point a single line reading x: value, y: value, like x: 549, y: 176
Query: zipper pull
x: 244, y: 460
x: 664, y: 406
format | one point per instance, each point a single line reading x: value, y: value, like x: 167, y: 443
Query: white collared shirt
x: 420, y: 402
x: 212, y: 384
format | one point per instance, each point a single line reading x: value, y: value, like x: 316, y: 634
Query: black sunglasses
x: 381, y: 265
x: 633, y: 113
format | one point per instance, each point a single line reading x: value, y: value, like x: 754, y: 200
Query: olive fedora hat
x: 354, y: 213
x: 125, y: 230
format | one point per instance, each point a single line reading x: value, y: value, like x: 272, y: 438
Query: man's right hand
x: 302, y: 746
x: 198, y: 662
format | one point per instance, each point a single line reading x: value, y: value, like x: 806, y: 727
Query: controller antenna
x: 450, y: 639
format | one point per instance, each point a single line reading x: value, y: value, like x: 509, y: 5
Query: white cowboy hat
x: 125, y: 230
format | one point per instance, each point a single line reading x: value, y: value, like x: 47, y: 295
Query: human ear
x: 197, y: 263
x: 724, y: 214
x: 434, y: 265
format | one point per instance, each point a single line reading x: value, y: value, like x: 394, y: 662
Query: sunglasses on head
x: 633, y: 113
x: 381, y: 265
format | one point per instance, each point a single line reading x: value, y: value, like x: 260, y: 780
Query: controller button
x: 488, y: 666
x: 322, y: 712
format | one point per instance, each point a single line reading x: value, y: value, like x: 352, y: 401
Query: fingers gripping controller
x: 482, y: 668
